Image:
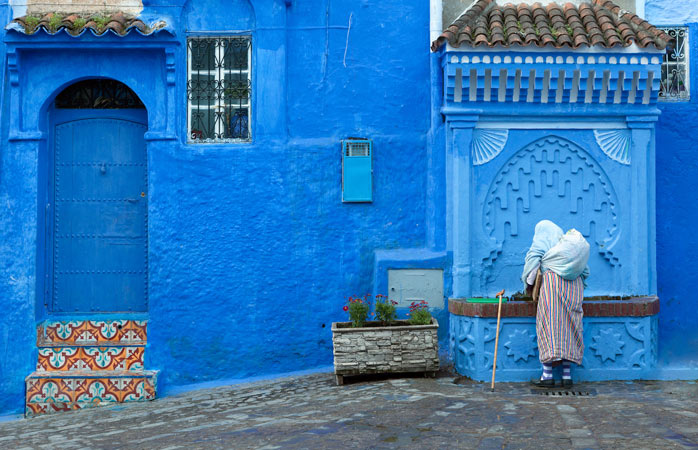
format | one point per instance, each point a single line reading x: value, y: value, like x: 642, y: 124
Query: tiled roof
x: 74, y: 24
x: 598, y: 23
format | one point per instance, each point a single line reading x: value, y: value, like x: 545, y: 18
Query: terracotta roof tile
x: 598, y: 23
x: 74, y: 24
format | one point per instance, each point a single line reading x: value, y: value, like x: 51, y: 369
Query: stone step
x: 88, y: 357
x: 49, y: 392
x: 99, y: 332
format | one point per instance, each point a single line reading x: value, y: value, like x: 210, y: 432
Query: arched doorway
x: 97, y: 205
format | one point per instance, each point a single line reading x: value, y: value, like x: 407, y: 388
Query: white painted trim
x: 435, y: 20
x: 552, y: 125
x: 633, y: 48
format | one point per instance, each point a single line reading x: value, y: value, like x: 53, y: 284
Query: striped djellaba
x: 559, y: 319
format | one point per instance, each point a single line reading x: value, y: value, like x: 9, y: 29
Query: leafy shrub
x: 54, y: 23
x: 419, y: 313
x: 358, y: 308
x: 31, y: 22
x: 385, y: 309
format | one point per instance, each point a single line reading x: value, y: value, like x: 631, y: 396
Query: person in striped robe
x: 562, y: 262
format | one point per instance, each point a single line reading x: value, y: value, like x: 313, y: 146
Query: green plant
x: 30, y: 23
x: 385, y: 309
x: 79, y: 23
x: 358, y: 308
x: 419, y: 313
x: 54, y: 22
x: 101, y: 21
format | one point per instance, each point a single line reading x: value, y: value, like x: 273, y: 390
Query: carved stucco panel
x: 550, y: 178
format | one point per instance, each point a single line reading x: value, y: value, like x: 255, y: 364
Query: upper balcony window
x: 675, y: 76
x: 219, y: 89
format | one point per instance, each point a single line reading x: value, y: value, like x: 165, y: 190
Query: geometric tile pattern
x: 85, y: 363
x: 92, y: 332
x: 46, y: 394
x: 90, y: 358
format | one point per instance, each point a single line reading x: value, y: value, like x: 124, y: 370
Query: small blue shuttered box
x: 357, y: 170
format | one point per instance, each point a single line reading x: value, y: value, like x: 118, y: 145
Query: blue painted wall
x: 677, y: 215
x: 677, y: 197
x: 252, y: 252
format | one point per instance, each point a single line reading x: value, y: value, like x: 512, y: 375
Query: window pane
x: 236, y: 88
x: 202, y: 53
x: 236, y: 54
x: 202, y: 89
x: 201, y: 124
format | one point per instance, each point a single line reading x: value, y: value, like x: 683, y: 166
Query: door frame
x: 46, y: 207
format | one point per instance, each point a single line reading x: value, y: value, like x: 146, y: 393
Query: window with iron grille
x: 675, y: 76
x: 219, y: 89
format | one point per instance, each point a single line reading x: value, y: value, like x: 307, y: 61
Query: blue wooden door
x: 99, y: 221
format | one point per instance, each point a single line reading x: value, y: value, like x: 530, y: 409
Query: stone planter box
x: 399, y: 348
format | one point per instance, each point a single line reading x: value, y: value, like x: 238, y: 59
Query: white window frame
x: 219, y: 77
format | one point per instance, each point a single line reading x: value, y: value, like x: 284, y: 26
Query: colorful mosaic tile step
x: 90, y: 358
x: 69, y: 332
x: 76, y: 390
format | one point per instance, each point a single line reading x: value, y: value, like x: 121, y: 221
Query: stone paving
x: 312, y: 412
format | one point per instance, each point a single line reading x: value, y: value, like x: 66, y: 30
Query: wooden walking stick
x: 496, y: 339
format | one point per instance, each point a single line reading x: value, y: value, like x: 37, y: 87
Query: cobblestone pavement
x: 311, y: 412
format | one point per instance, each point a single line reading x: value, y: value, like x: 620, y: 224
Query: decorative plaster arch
x: 551, y: 170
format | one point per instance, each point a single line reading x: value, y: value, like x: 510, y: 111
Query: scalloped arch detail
x: 487, y: 144
x: 615, y: 144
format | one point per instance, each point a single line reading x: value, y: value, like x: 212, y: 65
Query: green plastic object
x: 486, y: 300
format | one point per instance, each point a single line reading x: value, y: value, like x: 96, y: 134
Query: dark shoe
x: 544, y: 383
x: 567, y: 384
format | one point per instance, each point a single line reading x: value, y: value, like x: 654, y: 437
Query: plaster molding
x: 13, y: 67
x: 170, y: 65
x: 487, y: 144
x: 462, y: 121
x: 633, y: 48
x: 615, y: 144
x: 551, y: 125
x: 26, y: 136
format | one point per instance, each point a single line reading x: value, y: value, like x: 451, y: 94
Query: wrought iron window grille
x: 219, y: 89
x: 99, y: 93
x: 675, y: 83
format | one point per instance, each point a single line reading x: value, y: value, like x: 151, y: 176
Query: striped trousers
x: 559, y: 319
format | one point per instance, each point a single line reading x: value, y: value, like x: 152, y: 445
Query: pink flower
x: 346, y: 308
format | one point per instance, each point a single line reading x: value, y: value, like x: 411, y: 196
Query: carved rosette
x: 607, y: 345
x: 521, y: 345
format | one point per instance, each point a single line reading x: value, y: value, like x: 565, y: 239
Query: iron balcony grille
x: 675, y: 75
x: 219, y: 89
